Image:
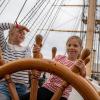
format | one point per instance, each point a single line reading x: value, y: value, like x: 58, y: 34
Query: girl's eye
x: 69, y: 45
x: 75, y: 45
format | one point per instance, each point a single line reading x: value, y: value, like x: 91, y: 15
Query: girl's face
x: 73, y: 49
x: 17, y: 37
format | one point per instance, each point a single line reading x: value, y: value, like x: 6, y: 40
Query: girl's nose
x: 71, y: 47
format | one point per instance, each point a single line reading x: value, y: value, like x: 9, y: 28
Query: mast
x: 90, y: 32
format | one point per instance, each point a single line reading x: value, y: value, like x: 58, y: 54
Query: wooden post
x: 90, y: 32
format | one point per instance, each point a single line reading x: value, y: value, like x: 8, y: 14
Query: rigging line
x: 52, y: 22
x: 82, y: 24
x: 94, y: 53
x: 43, y: 20
x: 2, y: 2
x: 98, y: 55
x: 40, y: 5
x: 20, y: 11
x: 76, y: 23
x: 95, y: 42
x: 68, y: 4
x: 33, y: 13
x: 39, y: 14
x: 2, y: 12
x: 38, y: 17
x: 96, y: 46
x: 48, y: 16
x: 50, y: 13
x: 30, y: 12
x: 4, y: 7
x: 66, y: 22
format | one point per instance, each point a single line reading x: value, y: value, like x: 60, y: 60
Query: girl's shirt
x: 13, y: 52
x: 55, y: 82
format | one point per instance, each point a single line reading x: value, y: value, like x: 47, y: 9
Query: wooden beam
x: 61, y: 30
x: 75, y: 5
x: 97, y: 21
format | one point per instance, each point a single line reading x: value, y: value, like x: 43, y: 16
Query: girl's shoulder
x: 59, y: 57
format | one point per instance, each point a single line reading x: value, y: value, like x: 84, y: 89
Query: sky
x: 69, y: 18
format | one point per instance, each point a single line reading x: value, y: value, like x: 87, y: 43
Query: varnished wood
x: 34, y: 81
x: 79, y: 83
x: 11, y: 85
x: 54, y: 50
x: 11, y: 88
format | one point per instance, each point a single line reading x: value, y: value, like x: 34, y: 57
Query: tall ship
x: 56, y: 21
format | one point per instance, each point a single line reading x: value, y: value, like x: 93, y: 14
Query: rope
x: 21, y: 10
x: 4, y: 6
x: 30, y: 12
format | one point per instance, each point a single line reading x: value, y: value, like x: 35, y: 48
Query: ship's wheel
x: 79, y: 83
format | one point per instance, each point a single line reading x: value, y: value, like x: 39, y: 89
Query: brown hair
x: 75, y: 37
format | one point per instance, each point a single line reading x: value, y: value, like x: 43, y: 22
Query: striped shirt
x: 55, y: 82
x: 13, y: 52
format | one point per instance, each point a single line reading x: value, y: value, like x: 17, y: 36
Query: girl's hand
x: 81, y: 66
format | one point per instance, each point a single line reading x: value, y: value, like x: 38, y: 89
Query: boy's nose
x: 22, y: 33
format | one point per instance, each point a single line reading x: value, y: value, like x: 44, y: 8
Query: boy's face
x: 18, y: 36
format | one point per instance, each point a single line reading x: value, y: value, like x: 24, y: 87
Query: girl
x: 73, y: 49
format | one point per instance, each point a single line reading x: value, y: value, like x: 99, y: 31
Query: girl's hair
x: 75, y: 37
